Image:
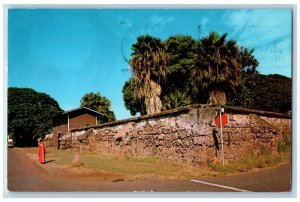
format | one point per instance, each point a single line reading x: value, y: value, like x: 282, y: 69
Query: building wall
x: 82, y: 120
x: 76, y: 120
x: 187, y: 135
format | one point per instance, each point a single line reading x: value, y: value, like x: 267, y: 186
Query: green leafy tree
x: 241, y: 95
x: 100, y: 104
x: 131, y: 102
x: 265, y: 92
x: 248, y: 61
x: 30, y: 115
x: 182, y: 52
x: 149, y: 67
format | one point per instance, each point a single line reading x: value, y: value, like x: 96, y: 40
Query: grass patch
x: 112, y: 163
x: 266, y: 159
x: 62, y: 157
x: 154, y: 166
x: 284, y: 146
x: 131, y: 165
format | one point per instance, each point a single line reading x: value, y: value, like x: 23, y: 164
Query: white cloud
x: 268, y: 31
x: 160, y: 21
x: 153, y: 26
x: 263, y: 25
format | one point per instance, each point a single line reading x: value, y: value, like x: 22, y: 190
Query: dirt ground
x: 78, y: 172
x: 26, y: 174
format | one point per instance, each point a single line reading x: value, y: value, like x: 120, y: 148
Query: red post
x: 42, y: 153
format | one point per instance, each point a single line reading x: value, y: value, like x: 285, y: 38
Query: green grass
x: 113, y: 163
x: 284, y: 146
x: 60, y: 156
x: 136, y: 166
x: 242, y: 164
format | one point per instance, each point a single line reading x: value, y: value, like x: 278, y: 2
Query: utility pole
x: 199, y: 28
x: 220, y: 110
x: 198, y: 46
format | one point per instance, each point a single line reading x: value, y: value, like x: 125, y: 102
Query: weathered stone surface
x: 187, y: 136
x: 161, y: 136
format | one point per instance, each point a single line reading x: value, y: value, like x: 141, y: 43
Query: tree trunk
x: 143, y: 108
x: 217, y: 97
x: 152, y: 99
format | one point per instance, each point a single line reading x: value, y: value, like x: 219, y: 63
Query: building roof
x: 81, y: 108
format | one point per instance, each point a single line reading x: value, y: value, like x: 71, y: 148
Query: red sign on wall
x: 224, y: 118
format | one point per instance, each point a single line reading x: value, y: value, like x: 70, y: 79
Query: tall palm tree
x: 149, y: 67
x: 217, y: 66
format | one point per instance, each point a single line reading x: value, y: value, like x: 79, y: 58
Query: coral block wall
x: 187, y: 135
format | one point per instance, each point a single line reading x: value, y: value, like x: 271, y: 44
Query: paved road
x: 24, y: 175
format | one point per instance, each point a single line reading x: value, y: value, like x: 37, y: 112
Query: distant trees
x: 99, y: 103
x: 30, y: 115
x: 265, y: 92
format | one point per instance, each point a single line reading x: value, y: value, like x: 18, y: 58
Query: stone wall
x: 187, y: 135
x: 58, y: 131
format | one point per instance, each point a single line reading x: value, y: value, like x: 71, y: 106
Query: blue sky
x: 67, y: 53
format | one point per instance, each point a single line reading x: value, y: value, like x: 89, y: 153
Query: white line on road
x: 221, y: 186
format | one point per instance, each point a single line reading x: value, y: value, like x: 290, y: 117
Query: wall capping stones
x: 241, y: 110
x: 185, y: 109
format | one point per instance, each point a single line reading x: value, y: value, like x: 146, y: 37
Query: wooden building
x: 76, y: 118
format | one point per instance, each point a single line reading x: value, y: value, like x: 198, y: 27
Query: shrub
x: 283, y: 146
x: 273, y: 159
x: 265, y: 150
x: 260, y: 163
x: 287, y: 140
x: 217, y: 167
x: 244, y: 164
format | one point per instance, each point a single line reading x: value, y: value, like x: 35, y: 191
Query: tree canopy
x: 188, y: 71
x: 182, y: 52
x: 265, y: 92
x: 30, y: 115
x: 131, y: 102
x: 99, y: 103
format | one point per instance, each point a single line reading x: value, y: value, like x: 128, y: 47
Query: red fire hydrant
x: 42, y: 153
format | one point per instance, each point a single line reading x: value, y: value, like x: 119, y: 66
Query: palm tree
x: 217, y: 66
x: 149, y: 67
